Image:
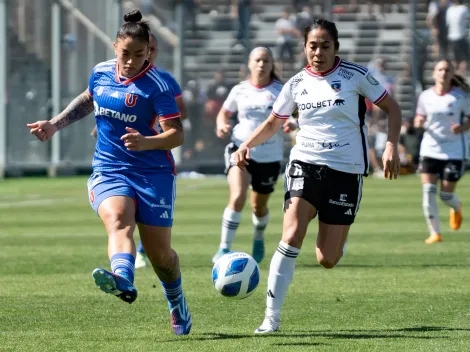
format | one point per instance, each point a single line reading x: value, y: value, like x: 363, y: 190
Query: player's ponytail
x: 460, y: 82
x: 134, y: 27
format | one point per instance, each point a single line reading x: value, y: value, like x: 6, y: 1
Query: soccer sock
x: 172, y: 290
x: 122, y: 264
x: 230, y: 221
x: 259, y: 226
x: 430, y: 208
x: 281, y: 272
x: 140, y: 249
x: 450, y: 199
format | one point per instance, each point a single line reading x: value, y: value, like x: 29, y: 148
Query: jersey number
x: 131, y: 100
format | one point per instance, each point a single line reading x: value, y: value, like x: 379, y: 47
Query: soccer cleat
x: 270, y: 324
x: 115, y: 285
x: 258, y: 250
x: 455, y: 219
x: 180, y: 316
x: 140, y: 260
x: 433, y: 239
x: 220, y: 253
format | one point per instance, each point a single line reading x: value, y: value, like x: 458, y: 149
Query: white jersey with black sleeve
x: 254, y: 105
x: 332, y: 112
x: 441, y: 112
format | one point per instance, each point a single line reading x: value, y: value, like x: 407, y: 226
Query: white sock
x: 450, y: 199
x: 230, y: 221
x: 430, y: 208
x: 281, y: 272
x: 259, y: 226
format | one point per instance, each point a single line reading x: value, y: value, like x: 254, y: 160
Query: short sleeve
x: 285, y: 104
x: 165, y: 106
x: 420, y: 109
x: 175, y: 86
x: 370, y: 88
x: 466, y: 105
x: 230, y: 104
x: 91, y: 83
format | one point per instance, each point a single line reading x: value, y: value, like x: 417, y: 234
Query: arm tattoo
x: 172, y: 123
x: 80, y: 107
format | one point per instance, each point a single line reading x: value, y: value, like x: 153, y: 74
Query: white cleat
x: 269, y: 325
x: 140, y: 260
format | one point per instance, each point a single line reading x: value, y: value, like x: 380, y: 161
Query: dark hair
x: 134, y: 28
x: 457, y: 80
x: 273, y: 75
x: 321, y: 23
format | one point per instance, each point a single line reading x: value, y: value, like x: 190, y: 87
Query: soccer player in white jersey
x: 443, y: 111
x: 324, y: 174
x: 253, y: 99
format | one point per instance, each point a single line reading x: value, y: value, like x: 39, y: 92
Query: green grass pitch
x: 390, y: 292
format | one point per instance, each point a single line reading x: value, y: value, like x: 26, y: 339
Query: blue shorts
x: 154, y: 194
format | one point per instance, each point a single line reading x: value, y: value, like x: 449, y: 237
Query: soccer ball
x: 235, y: 275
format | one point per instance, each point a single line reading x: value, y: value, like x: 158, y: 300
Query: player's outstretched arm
x: 390, y: 158
x: 262, y: 133
x: 80, y: 107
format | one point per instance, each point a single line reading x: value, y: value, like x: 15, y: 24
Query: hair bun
x: 133, y: 16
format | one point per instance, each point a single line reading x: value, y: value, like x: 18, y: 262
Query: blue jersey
x: 168, y: 77
x: 141, y: 103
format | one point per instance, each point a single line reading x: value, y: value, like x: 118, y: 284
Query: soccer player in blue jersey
x: 133, y: 180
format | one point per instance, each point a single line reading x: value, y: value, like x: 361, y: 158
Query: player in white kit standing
x: 253, y: 99
x: 443, y: 111
x: 324, y: 174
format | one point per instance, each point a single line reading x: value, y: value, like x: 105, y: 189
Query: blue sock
x: 140, y: 249
x: 122, y: 264
x: 172, y: 290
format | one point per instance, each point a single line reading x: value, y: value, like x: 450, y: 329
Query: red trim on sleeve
x: 382, y: 97
x: 178, y: 95
x: 168, y: 117
x: 279, y: 116
x: 90, y: 93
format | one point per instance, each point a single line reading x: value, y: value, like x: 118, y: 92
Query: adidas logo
x: 349, y: 212
x: 304, y: 92
x: 270, y: 294
x: 115, y: 95
x: 165, y: 215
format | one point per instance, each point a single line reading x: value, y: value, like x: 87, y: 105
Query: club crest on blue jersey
x: 131, y: 100
x: 336, y: 86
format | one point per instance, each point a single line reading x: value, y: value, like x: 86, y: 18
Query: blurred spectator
x: 299, y: 5
x: 377, y: 67
x: 436, y: 22
x: 457, y: 19
x: 287, y: 39
x: 242, y: 11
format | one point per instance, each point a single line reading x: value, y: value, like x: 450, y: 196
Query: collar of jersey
x: 261, y: 87
x: 444, y: 93
x: 309, y: 70
x: 136, y: 77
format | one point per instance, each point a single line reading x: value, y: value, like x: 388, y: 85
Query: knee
x: 237, y: 201
x: 116, y: 221
x: 328, y: 261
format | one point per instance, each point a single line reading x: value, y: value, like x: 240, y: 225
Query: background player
x: 133, y: 180
x: 253, y: 100
x: 324, y: 174
x: 443, y: 111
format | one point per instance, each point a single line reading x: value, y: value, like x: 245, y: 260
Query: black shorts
x: 336, y: 195
x: 448, y: 170
x: 263, y: 175
x: 460, y: 49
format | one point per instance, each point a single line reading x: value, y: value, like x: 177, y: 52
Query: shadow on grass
x: 340, y: 334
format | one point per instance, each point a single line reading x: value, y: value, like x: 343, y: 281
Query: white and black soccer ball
x: 235, y: 275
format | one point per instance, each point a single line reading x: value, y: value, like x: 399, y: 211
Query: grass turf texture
x: 390, y: 292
